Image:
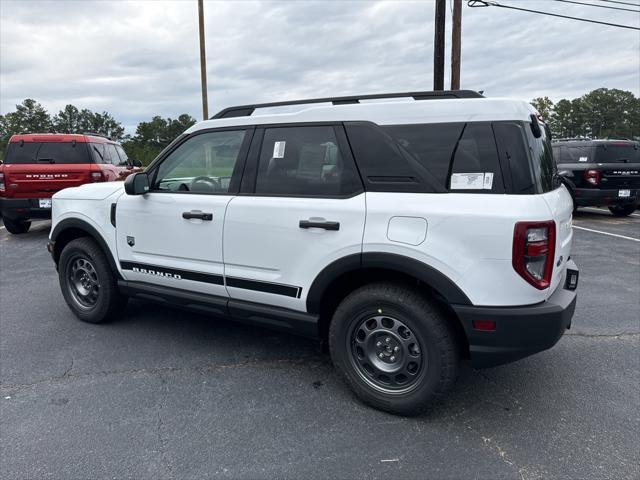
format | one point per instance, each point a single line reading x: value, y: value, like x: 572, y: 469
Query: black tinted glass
x: 466, y: 151
x: 617, y: 153
x: 510, y: 139
x: 71, y: 152
x: 431, y: 144
x: 544, y: 167
x: 301, y: 161
x: 21, y: 154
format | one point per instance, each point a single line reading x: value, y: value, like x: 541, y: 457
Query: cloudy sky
x: 140, y: 58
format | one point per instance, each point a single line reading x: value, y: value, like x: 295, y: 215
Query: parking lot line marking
x: 607, y: 233
x: 2, y: 227
x: 607, y: 210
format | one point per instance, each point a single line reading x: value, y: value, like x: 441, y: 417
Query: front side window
x: 304, y: 161
x: 202, y: 164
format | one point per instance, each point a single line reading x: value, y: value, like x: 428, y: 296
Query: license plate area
x: 572, y: 279
x: 44, y: 203
x: 624, y: 193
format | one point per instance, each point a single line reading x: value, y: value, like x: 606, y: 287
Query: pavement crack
x: 68, y: 376
x: 605, y: 335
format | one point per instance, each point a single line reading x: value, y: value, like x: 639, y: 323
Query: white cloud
x: 139, y: 59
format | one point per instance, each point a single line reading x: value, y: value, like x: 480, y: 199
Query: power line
x: 620, y: 3
x: 599, y: 6
x: 486, y: 3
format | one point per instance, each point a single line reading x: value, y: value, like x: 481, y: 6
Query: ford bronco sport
x: 406, y: 234
x: 38, y: 165
x: 601, y: 173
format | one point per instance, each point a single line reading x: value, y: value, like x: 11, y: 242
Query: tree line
x: 601, y: 113
x: 149, y: 138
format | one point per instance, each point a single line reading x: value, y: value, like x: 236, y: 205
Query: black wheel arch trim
x: 390, y: 261
x: 91, y: 231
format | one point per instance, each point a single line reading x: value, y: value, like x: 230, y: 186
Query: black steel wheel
x: 386, y: 354
x: 396, y: 348
x: 84, y: 285
x: 88, y: 283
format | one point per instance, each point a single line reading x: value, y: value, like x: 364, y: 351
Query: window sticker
x: 278, y: 149
x: 488, y: 180
x: 467, y: 181
x: 582, y: 159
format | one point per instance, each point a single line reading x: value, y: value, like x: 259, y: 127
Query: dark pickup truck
x: 601, y: 173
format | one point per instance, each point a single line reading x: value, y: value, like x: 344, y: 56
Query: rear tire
x: 394, y: 347
x: 622, y: 210
x: 17, y: 227
x: 88, y: 284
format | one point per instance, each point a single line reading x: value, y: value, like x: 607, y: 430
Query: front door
x: 301, y: 207
x: 172, y: 236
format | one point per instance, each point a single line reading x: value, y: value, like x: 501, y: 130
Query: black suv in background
x: 601, y: 173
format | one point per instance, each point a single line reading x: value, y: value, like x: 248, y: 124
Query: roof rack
x: 93, y: 134
x: 247, y: 110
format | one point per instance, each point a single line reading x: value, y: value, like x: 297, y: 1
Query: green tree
x: 29, y: 116
x: 67, y: 120
x: 544, y: 105
x: 153, y: 136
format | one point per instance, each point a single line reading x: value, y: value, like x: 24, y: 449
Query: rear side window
x: 461, y: 157
x: 52, y: 152
x: 544, y: 167
x: 21, y: 153
x: 305, y: 161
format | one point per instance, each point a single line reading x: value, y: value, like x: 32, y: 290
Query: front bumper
x: 23, y: 209
x: 594, y: 197
x: 520, y: 331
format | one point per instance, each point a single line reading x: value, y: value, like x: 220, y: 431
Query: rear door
x: 39, y: 169
x: 301, y: 207
x: 172, y: 236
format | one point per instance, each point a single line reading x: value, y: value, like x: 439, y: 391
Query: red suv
x: 38, y: 165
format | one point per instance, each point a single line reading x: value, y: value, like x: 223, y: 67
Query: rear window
x: 617, y: 153
x: 47, y: 152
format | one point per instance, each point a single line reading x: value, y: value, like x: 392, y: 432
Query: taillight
x: 97, y: 177
x: 1, y: 182
x: 534, y: 245
x: 592, y: 177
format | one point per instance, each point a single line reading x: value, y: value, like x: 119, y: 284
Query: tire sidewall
x: 71, y: 252
x: 349, y: 314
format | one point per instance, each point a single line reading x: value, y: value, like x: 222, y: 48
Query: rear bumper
x: 22, y: 208
x: 593, y: 197
x: 520, y: 331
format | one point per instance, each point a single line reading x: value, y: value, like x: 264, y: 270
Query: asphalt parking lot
x: 169, y: 394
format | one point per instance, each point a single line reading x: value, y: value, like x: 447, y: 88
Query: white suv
x: 407, y: 234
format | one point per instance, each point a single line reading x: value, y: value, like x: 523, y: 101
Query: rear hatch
x: 620, y: 165
x: 39, y: 169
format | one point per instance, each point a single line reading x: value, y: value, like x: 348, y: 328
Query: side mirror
x: 137, y: 184
x: 136, y: 163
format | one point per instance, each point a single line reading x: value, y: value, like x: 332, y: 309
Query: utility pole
x: 203, y: 63
x: 456, y: 44
x: 438, y: 45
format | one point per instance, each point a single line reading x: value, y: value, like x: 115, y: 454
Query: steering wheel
x: 211, y: 183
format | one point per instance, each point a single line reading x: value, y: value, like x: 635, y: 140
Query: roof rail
x: 93, y: 134
x: 247, y: 110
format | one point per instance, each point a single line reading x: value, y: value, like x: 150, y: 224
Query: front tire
x: 395, y: 348
x: 622, y: 210
x: 88, y: 284
x: 17, y: 227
